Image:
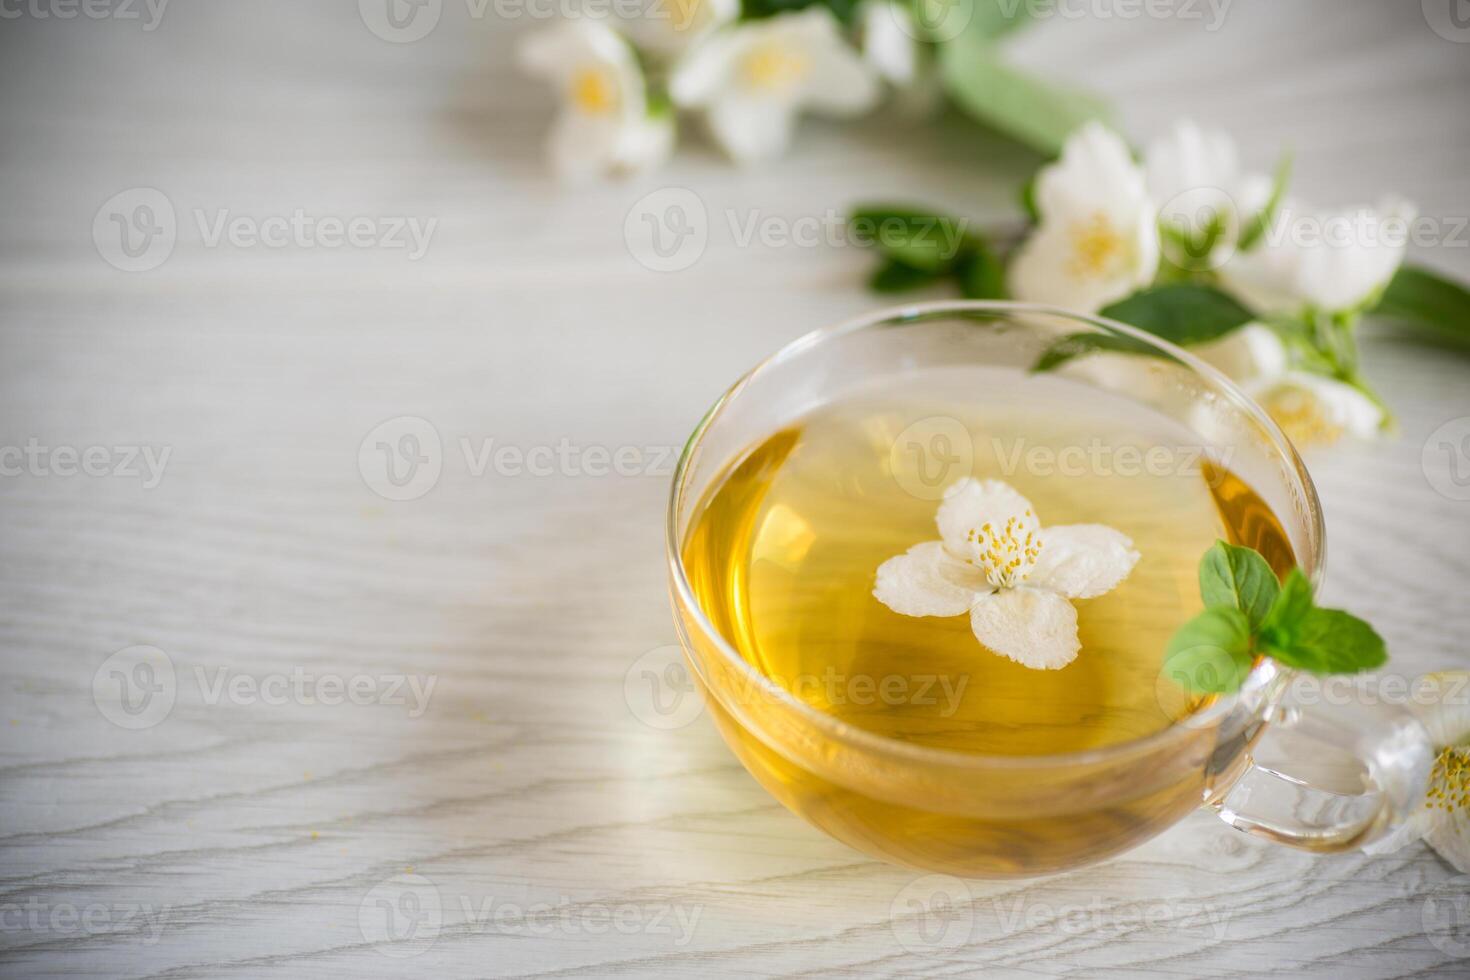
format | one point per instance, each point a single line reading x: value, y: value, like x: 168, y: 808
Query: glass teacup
x: 996, y: 815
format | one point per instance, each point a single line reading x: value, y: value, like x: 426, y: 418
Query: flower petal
x: 751, y: 129
x: 703, y: 73
x: 1033, y: 627
x: 1448, y: 832
x: 1253, y: 352
x: 889, y: 40
x: 840, y: 82
x: 970, y: 502
x: 1190, y: 157
x: 925, y: 582
x: 1316, y: 410
x: 1083, y: 561
x: 1442, y: 704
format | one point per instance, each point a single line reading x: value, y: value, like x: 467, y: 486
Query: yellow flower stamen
x: 1449, y: 783
x: 1008, y: 555
x: 593, y: 91
x: 1096, y: 247
x: 1301, y: 417
x: 775, y: 67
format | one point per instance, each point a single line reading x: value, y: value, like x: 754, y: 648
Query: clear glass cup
x: 1015, y: 816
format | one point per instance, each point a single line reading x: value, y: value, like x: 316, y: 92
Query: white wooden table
x: 287, y: 803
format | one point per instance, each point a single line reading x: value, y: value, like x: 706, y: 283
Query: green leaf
x: 1292, y: 605
x: 845, y: 10
x: 1182, y: 312
x: 1210, y: 654
x: 1237, y: 577
x: 981, y: 272
x: 1028, y: 200
x: 1077, y: 344
x: 1256, y: 228
x: 1427, y: 299
x: 1330, y: 641
x: 912, y: 237
x: 895, y: 277
x: 1013, y: 102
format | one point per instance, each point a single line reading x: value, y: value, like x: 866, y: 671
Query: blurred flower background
x: 1176, y: 238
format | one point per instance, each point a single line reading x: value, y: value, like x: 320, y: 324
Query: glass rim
x: 1262, y: 675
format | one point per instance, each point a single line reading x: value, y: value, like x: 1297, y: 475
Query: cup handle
x: 1396, y: 758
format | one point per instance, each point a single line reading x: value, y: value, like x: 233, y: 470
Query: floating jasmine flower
x: 605, y: 125
x: 1311, y: 409
x: 754, y: 78
x: 1443, y: 819
x: 1015, y: 578
x: 1328, y: 261
x: 1098, y: 238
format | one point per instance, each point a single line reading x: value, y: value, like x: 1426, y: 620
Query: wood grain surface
x: 289, y: 803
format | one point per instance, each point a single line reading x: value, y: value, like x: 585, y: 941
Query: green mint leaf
x: 1183, y: 313
x: 981, y: 273
x: 1019, y: 105
x: 1256, y: 228
x: 1078, y: 344
x: 1291, y: 607
x: 895, y: 277
x: 844, y: 10
x: 1210, y: 654
x: 916, y: 238
x: 1230, y: 575
x: 1426, y: 299
x: 1330, y: 641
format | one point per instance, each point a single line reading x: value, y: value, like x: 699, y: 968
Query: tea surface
x: 783, y: 552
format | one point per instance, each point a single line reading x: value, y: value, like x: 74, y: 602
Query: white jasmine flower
x: 1310, y: 408
x: 604, y: 125
x: 754, y: 78
x: 1015, y: 578
x: 1098, y: 239
x: 1443, y: 819
x: 1331, y: 261
x: 1194, y: 177
x: 667, y: 27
